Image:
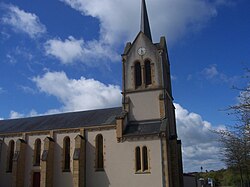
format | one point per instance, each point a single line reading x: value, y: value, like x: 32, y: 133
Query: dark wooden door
x: 36, y: 179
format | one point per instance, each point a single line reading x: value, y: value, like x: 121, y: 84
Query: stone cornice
x: 60, y: 131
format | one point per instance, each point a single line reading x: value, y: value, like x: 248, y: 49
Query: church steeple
x: 145, y: 28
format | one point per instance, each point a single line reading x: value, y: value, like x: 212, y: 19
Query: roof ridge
x: 58, y: 114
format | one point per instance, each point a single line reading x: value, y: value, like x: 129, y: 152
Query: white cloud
x: 23, y: 21
x: 81, y: 94
x: 33, y: 113
x: 14, y: 115
x: 27, y: 89
x: 18, y: 52
x: 120, y: 20
x: 200, y: 145
x: 71, y: 50
x: 211, y: 73
x: 67, y: 50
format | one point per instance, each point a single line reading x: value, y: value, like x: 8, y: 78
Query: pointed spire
x: 145, y: 28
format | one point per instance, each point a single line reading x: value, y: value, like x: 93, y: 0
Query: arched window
x: 99, y: 152
x: 10, y: 155
x: 37, y: 152
x: 138, y: 159
x: 148, y: 78
x: 145, y: 158
x: 141, y: 160
x: 138, y: 79
x: 66, y: 154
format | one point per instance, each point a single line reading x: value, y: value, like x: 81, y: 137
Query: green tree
x: 235, y: 140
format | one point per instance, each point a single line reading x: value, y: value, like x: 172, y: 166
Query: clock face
x: 141, y: 51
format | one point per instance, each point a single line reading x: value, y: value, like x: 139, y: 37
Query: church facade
x: 134, y: 145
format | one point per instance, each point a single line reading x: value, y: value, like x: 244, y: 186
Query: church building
x: 135, y: 145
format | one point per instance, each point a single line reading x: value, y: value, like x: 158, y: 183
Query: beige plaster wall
x: 149, y: 101
x: 29, y: 168
x: 63, y: 178
x: 5, y: 178
x: 119, y: 162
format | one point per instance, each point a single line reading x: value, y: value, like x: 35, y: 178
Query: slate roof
x: 61, y: 121
x: 144, y: 128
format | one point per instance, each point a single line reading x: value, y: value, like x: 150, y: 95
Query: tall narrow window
x: 138, y: 159
x: 37, y: 152
x: 148, y: 78
x: 10, y: 156
x: 138, y: 79
x: 145, y: 158
x: 99, y: 152
x: 66, y: 150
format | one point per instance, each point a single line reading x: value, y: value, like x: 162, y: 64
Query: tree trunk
x: 241, y: 176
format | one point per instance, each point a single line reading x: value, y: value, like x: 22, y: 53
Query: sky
x: 64, y: 55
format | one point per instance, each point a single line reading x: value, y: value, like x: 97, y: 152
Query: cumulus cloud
x: 14, y: 115
x: 81, y: 94
x: 120, y: 19
x: 67, y: 50
x: 71, y: 50
x: 200, y: 145
x: 22, y: 21
x: 119, y: 23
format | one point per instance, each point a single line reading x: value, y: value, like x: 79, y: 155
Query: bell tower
x: 147, y: 99
x: 147, y: 93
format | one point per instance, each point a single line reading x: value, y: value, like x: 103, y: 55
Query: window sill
x: 99, y: 169
x: 142, y: 172
x: 148, y: 85
x: 66, y: 170
x: 35, y: 165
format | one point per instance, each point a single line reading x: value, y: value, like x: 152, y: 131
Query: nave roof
x: 99, y: 117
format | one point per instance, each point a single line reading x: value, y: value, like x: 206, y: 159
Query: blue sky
x: 59, y: 56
